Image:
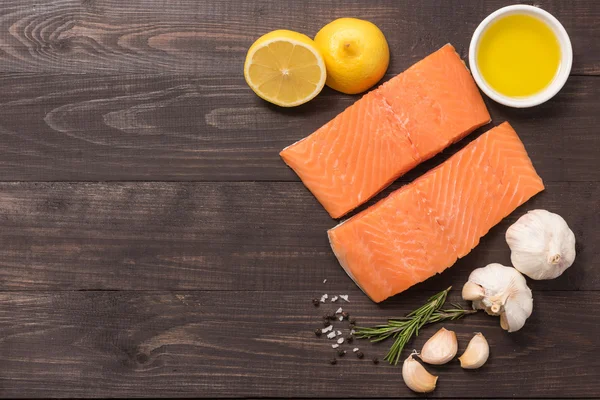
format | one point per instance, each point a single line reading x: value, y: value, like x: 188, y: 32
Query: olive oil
x: 518, y: 55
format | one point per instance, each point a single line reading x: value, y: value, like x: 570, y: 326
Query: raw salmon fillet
x: 390, y: 130
x: 424, y: 227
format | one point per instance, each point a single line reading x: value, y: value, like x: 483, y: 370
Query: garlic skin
x: 506, y: 294
x: 416, y: 376
x: 542, y: 245
x: 440, y: 348
x: 476, y: 354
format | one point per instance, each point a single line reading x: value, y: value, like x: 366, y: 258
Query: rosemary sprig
x: 404, y: 328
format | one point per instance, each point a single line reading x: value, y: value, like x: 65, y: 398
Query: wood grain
x: 211, y: 38
x: 222, y: 236
x: 183, y: 128
x: 259, y: 344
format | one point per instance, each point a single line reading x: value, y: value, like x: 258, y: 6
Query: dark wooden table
x: 152, y: 242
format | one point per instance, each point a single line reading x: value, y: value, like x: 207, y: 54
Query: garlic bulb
x: 505, y: 294
x: 542, y: 245
x: 440, y: 348
x: 476, y: 354
x: 416, y: 376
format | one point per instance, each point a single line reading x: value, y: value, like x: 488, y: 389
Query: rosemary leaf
x: 404, y: 328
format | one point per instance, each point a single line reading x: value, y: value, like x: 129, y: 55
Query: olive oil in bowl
x: 518, y: 55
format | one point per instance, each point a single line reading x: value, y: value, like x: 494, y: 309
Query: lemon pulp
x: 518, y: 55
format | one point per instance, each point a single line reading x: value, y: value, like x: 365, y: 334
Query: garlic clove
x: 518, y: 309
x: 503, y: 322
x: 472, y: 291
x: 440, y: 348
x: 542, y: 244
x: 476, y: 354
x: 506, y: 295
x: 416, y: 376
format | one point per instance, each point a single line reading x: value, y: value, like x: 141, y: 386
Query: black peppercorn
x: 350, y: 339
x: 353, y: 321
x: 345, y: 315
x: 331, y: 316
x: 375, y: 360
x: 325, y: 317
x: 318, y: 332
x: 360, y: 354
x: 333, y: 361
x: 341, y: 352
x: 326, y: 323
x: 316, y: 302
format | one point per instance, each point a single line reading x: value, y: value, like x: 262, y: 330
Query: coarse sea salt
x: 340, y: 340
x: 324, y: 280
x: 335, y: 346
x: 334, y: 299
x: 339, y: 333
x: 345, y: 298
x: 325, y: 330
x: 341, y: 318
x: 323, y: 298
x: 339, y: 310
x: 355, y: 349
x: 331, y: 335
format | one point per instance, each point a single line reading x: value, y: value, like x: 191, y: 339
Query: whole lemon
x: 356, y: 54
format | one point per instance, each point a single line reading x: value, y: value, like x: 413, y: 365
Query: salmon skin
x: 390, y: 130
x: 424, y: 227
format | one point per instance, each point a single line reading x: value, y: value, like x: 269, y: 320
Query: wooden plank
x: 223, y: 236
x: 211, y: 38
x: 140, y: 127
x: 210, y: 344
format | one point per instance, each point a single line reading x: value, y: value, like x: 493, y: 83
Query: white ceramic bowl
x: 559, y: 79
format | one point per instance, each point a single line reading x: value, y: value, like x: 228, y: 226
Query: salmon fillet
x: 424, y: 227
x: 390, y: 130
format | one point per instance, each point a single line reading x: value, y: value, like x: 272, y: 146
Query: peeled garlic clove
x: 506, y: 294
x: 542, y: 245
x: 476, y: 354
x: 472, y: 291
x: 416, y: 376
x: 440, y: 348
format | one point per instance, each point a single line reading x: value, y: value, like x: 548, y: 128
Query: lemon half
x: 285, y: 68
